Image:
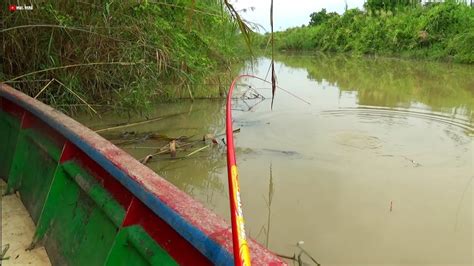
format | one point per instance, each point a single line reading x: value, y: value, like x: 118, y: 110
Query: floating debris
x: 146, y: 159
x: 173, y: 148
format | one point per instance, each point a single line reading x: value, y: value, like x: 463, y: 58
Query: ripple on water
x: 358, y: 139
x: 371, y: 113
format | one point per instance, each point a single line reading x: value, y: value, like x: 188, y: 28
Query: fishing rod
x: 240, y: 245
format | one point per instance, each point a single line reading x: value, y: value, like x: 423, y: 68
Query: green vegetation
x: 439, y: 31
x: 119, y: 53
x: 392, y: 5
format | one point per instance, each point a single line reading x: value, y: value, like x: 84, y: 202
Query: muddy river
x: 367, y: 161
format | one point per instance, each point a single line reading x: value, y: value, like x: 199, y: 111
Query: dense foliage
x: 318, y: 18
x: 121, y: 53
x: 392, y: 5
x: 437, y: 31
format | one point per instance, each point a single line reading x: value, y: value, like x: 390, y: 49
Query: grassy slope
x: 168, y: 49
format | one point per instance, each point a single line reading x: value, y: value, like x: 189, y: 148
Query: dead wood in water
x: 249, y: 95
x: 303, y: 251
x: 209, y: 137
x: 286, y: 256
x: 173, y: 148
x: 173, y: 145
x: 146, y: 159
x: 138, y: 123
x: 131, y: 137
x: 198, y: 150
x: 4, y: 252
x: 298, y: 258
x: 130, y: 125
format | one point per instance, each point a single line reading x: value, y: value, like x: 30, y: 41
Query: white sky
x: 289, y: 13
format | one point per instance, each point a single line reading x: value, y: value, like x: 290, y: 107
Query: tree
x: 320, y: 17
x: 374, y: 5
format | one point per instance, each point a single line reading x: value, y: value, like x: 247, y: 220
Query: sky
x: 289, y: 13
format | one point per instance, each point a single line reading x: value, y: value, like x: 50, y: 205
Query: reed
x: 124, y: 54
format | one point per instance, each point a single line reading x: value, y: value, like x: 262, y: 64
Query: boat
x: 94, y: 204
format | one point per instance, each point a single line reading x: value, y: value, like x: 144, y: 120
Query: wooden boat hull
x: 93, y: 204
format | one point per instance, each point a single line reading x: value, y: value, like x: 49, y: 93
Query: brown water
x: 376, y: 170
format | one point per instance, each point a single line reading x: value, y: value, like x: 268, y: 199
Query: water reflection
x: 269, y: 207
x: 448, y: 88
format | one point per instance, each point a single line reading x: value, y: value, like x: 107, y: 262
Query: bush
x: 441, y: 31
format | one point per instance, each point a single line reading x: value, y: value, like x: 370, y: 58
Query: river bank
x: 442, y: 31
x: 120, y: 55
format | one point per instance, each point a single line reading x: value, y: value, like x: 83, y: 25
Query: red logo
x: 12, y: 8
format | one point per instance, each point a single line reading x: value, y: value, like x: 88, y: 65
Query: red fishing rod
x: 241, y: 248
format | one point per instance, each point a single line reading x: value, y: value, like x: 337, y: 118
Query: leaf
x: 244, y: 28
x: 273, y: 55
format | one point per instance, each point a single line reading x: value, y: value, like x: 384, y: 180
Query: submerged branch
x: 198, y: 150
x: 137, y: 123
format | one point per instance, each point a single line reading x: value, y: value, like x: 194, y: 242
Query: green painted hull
x: 95, y: 205
x: 77, y: 220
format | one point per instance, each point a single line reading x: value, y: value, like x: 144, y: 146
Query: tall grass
x: 119, y: 53
x: 443, y: 31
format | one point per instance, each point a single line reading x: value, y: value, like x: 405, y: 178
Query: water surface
x: 377, y: 169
